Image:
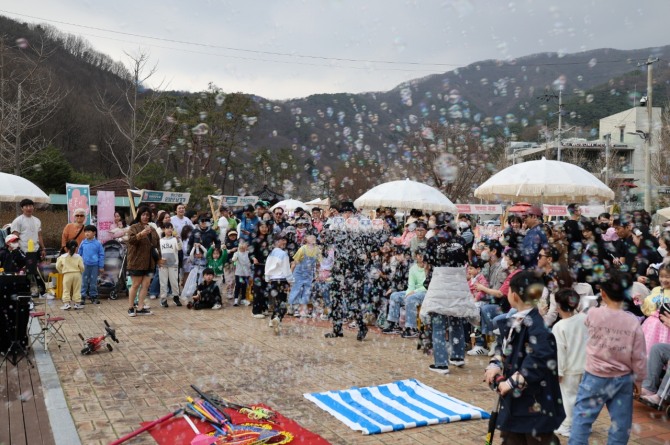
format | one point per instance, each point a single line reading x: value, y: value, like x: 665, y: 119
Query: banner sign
x: 237, y: 201
x: 164, y: 197
x: 480, y: 209
x: 105, y: 215
x: 557, y: 210
x: 78, y: 197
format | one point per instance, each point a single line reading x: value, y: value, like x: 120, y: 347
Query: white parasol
x: 15, y: 188
x: 546, y: 182
x: 406, y: 195
x: 289, y: 205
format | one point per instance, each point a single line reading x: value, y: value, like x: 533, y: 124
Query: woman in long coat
x: 143, y: 255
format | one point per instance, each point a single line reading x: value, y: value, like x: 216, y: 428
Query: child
x: 654, y: 330
x: 216, y: 259
x: 186, y: 264
x: 305, y: 262
x: 71, y: 265
x: 526, y: 376
x: 198, y: 265
x: 231, y: 243
x: 615, y: 364
x: 168, y: 271
x: 570, y: 332
x: 475, y: 277
x: 242, y: 273
x: 93, y: 255
x: 208, y: 295
x: 278, y: 276
x: 12, y: 260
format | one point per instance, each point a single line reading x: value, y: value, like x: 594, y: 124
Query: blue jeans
x: 155, y: 286
x: 594, y: 392
x: 488, y: 313
x: 456, y: 338
x: 411, y: 303
x: 322, y: 289
x: 301, y: 290
x: 89, y: 282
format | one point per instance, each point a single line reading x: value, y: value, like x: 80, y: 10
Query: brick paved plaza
x: 228, y: 352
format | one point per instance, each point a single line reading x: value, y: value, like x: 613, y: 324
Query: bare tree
x: 140, y: 119
x: 29, y: 96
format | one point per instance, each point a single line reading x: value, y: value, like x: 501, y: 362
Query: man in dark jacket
x: 204, y: 234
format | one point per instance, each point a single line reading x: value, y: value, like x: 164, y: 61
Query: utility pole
x: 647, y: 140
x: 560, y: 123
x: 608, y: 137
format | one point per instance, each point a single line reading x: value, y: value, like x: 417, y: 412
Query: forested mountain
x: 324, y: 144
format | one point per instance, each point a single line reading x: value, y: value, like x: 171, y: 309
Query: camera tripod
x: 16, y: 348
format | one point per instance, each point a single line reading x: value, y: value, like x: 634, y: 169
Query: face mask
x: 14, y: 245
x: 503, y: 264
x: 485, y: 256
x: 662, y: 251
x: 431, y: 225
x: 463, y: 225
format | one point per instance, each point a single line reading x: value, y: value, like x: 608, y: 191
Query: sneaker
x: 492, y: 349
x: 78, y: 306
x: 258, y: 315
x: 270, y: 323
x: 216, y: 307
x: 236, y: 302
x: 478, y: 350
x: 48, y: 296
x: 439, y: 369
x: 82, y: 302
x: 152, y: 297
x: 392, y: 329
x: 410, y: 333
x: 66, y: 307
x: 476, y: 333
x: 653, y: 399
x: 275, y: 325
x: 459, y: 362
x: 324, y: 317
x: 96, y: 301
x: 176, y: 300
x: 146, y: 307
x: 164, y: 302
x: 563, y: 431
x: 245, y: 302
x: 143, y: 311
x: 131, y: 312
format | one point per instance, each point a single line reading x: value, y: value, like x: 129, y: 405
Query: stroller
x: 112, y: 281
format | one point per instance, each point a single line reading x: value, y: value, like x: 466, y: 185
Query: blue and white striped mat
x: 394, y: 406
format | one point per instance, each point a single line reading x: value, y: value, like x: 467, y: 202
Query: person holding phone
x: 657, y: 303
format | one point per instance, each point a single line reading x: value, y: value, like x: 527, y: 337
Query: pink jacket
x: 479, y: 279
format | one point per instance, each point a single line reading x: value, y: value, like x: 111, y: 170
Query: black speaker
x: 14, y: 310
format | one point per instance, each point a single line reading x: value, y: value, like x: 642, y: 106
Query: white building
x: 626, y: 129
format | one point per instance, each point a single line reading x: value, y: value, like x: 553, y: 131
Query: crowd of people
x: 571, y: 310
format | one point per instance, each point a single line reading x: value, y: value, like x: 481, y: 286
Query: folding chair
x: 50, y: 327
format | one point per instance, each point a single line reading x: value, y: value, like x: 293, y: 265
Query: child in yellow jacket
x: 71, y: 265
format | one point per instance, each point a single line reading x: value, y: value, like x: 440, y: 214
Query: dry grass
x: 53, y: 223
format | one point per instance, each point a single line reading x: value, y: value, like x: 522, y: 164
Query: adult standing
x: 179, y: 220
x: 535, y: 238
x: 248, y: 223
x: 204, y: 234
x: 75, y: 229
x: 258, y: 254
x: 142, y: 242
x: 29, y: 230
x: 225, y: 222
x: 278, y: 221
x: 448, y: 300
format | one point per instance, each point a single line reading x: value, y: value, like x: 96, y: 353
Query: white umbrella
x: 15, y: 188
x: 289, y: 205
x: 406, y: 195
x: 543, y: 181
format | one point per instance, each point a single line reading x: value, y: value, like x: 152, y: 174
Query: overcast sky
x: 256, y: 46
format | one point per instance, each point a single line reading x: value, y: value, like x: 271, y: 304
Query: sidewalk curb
x: 60, y: 418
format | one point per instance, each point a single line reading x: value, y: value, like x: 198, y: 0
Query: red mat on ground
x: 177, y: 431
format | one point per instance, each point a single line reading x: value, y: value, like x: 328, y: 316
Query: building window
x: 621, y: 134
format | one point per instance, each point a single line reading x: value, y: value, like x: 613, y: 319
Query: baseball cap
x: 12, y: 239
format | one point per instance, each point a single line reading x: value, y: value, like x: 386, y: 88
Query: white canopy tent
x: 406, y: 195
